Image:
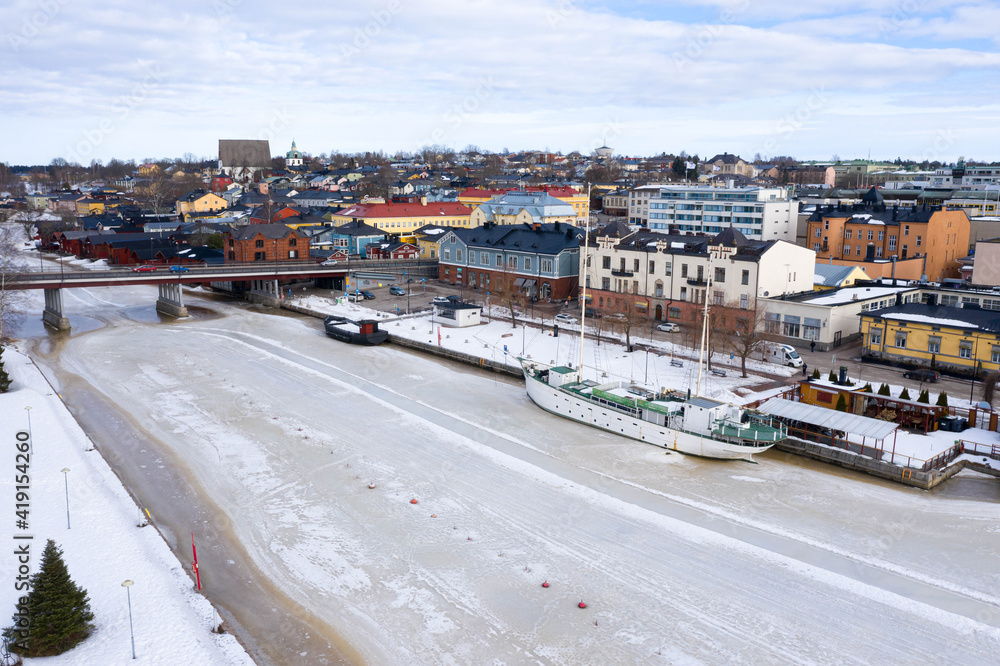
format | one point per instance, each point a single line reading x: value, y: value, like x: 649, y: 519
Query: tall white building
x: 758, y: 213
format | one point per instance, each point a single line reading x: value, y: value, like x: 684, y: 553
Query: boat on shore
x: 363, y: 332
x: 671, y: 419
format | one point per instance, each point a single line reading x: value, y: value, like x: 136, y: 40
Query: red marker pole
x: 194, y: 565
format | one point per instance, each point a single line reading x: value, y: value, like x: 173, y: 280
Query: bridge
x: 262, y: 276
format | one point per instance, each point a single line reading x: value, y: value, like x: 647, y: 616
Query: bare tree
x: 628, y: 319
x: 508, y: 295
x: 743, y: 331
x: 12, y: 301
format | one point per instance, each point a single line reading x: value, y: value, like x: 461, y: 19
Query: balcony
x: 697, y: 282
x: 622, y: 273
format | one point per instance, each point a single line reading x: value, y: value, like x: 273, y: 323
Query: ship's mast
x: 583, y: 285
x: 704, y: 323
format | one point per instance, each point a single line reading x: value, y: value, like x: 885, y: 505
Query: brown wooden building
x: 267, y: 242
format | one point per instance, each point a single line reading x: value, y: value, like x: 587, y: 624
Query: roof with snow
x: 828, y: 418
x: 941, y: 315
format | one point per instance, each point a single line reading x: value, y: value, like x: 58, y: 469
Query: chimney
x: 423, y: 200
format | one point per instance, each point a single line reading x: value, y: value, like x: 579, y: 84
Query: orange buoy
x: 413, y: 501
x: 545, y: 584
x: 582, y: 604
x: 371, y: 485
x: 434, y: 515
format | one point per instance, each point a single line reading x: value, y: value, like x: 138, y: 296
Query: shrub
x: 904, y: 394
x: 884, y: 389
x: 942, y: 400
x: 841, y: 403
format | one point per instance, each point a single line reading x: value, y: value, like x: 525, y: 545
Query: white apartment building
x: 981, y: 178
x: 638, y: 203
x: 666, y: 277
x: 758, y: 213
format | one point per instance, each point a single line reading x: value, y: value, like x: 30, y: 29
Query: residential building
x: 981, y: 178
x: 726, y: 163
x: 986, y: 268
x: 391, y: 249
x: 870, y: 232
x: 616, y: 203
x: 352, y: 237
x: 638, y: 203
x: 200, y: 201
x: 831, y: 276
x: 523, y: 208
x: 405, y: 218
x: 670, y: 276
x: 266, y: 242
x: 540, y: 260
x: 428, y: 238
x: 757, y: 213
x: 577, y: 199
x: 959, y: 339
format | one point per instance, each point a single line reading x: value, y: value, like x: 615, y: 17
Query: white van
x: 782, y: 354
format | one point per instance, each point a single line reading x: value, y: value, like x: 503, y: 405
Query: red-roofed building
x: 405, y: 218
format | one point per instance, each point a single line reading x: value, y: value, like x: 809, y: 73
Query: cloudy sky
x: 810, y: 78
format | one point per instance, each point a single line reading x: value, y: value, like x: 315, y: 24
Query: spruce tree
x: 924, y: 397
x: 815, y: 373
x: 57, y: 610
x: 841, y: 403
x: 884, y: 389
x: 832, y: 377
x: 904, y: 394
x: 867, y: 388
x: 5, y: 380
x: 942, y: 400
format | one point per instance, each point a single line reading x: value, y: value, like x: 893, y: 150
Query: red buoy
x: 582, y: 604
x: 545, y: 584
x: 413, y: 501
x: 371, y: 485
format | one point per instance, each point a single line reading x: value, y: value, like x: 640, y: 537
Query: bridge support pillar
x: 265, y: 292
x: 53, y: 312
x: 171, y: 301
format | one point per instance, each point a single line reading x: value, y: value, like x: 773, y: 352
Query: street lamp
x: 127, y: 584
x: 65, y: 471
x: 31, y: 440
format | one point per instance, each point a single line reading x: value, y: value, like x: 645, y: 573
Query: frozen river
x: 257, y: 430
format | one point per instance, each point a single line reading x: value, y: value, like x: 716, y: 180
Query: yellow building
x: 405, y: 218
x: 833, y: 276
x: 90, y: 206
x: 964, y: 340
x: 427, y: 239
x: 578, y: 200
x: 200, y: 201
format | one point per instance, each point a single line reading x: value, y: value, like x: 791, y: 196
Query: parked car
x: 367, y: 294
x: 179, y: 269
x: 923, y: 375
x: 329, y: 262
x: 668, y: 327
x: 440, y: 300
x: 145, y: 268
x: 563, y: 318
x: 454, y: 299
x: 591, y: 312
x: 354, y: 297
x: 397, y: 291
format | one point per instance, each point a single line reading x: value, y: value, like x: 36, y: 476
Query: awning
x: 828, y: 418
x: 519, y: 282
x: 529, y: 283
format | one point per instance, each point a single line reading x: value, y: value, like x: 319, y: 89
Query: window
x: 901, y: 339
x: 546, y: 265
x: 858, y: 251
x: 446, y: 254
x: 772, y: 324
x: 906, y: 230
x: 870, y: 234
x: 635, y: 267
x: 719, y: 297
x: 527, y: 263
x: 744, y: 301
x: 291, y: 242
x: 720, y: 274
x: 881, y: 234
x: 995, y: 355
x: 652, y: 267
x: 605, y: 262
x: 674, y: 313
x: 818, y: 232
x: 918, y: 241
x: 684, y: 270
x: 499, y: 261
x: 669, y: 269
x: 484, y: 259
x: 934, y: 345
x: 875, y: 337
x: 847, y: 249
x: 815, y: 247
x: 260, y: 256
x: 605, y: 284
x: 965, y: 349
x: 847, y: 234
x: 892, y: 243
x: 791, y: 329
x: 512, y: 262
x: 878, y: 251
x: 826, y: 224
x: 458, y: 255
x: 684, y: 293
x: 259, y: 243
x: 293, y: 254
x: 745, y: 279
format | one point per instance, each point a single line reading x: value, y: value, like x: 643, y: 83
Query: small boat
x: 363, y: 332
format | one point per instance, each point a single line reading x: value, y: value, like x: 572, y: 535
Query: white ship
x: 696, y: 425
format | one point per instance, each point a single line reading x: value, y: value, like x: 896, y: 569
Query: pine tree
x: 924, y: 397
x: 841, y: 403
x: 815, y: 373
x: 884, y: 389
x: 5, y: 380
x: 942, y: 400
x: 57, y: 610
x: 904, y: 394
x: 867, y: 388
x: 832, y: 377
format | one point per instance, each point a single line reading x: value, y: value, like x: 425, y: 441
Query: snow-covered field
x: 680, y: 560
x: 103, y: 546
